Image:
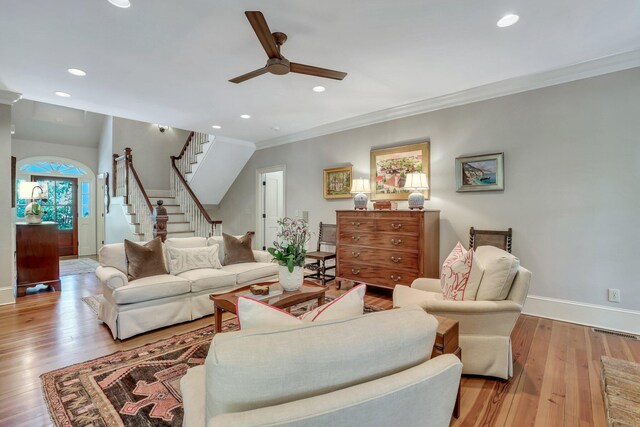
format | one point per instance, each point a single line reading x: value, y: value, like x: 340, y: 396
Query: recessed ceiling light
x: 216, y: 127
x: 275, y: 128
x: 63, y: 94
x: 120, y: 3
x: 319, y: 89
x: 245, y: 116
x: 76, y: 72
x: 507, y: 20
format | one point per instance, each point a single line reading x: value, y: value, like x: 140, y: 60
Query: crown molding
x: 9, y: 98
x: 583, y: 70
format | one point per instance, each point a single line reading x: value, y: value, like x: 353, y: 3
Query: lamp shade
x: 416, y: 181
x: 32, y: 190
x: 360, y: 185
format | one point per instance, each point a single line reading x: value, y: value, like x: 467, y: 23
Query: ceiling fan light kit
x: 276, y: 63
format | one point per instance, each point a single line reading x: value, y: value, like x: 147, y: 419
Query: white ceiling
x: 168, y: 62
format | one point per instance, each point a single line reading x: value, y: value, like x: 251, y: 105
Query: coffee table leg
x: 456, y: 408
x: 218, y: 319
x: 321, y: 301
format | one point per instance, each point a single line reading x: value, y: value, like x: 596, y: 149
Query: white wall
x: 22, y: 148
x: 105, y: 147
x: 572, y: 167
x: 151, y: 149
x: 6, y: 213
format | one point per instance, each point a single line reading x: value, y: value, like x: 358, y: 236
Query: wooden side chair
x: 498, y: 238
x: 326, y: 237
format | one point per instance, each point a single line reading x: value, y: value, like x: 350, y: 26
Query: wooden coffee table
x: 227, y: 302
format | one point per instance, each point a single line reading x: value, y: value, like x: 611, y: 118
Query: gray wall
x: 6, y: 215
x: 151, y: 149
x: 572, y: 166
x: 105, y: 147
x: 22, y: 148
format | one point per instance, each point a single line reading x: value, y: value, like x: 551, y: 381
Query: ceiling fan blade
x: 259, y: 24
x: 317, y: 71
x: 249, y: 75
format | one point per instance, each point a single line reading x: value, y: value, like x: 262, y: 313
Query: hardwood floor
x: 556, y: 381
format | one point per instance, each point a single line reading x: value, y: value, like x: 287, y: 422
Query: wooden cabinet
x: 37, y: 256
x: 387, y: 248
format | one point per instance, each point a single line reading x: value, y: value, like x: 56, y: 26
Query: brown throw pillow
x: 144, y: 260
x: 237, y: 251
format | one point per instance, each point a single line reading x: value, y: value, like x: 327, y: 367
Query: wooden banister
x: 137, y: 179
x: 201, y: 208
x: 186, y: 145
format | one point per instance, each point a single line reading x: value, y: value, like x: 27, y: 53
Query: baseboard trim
x: 6, y: 296
x: 617, y: 319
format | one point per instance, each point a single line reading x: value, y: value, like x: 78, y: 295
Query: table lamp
x: 34, y: 191
x: 360, y: 186
x: 416, y: 181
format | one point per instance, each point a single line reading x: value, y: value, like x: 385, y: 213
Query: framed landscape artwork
x: 390, y: 166
x: 480, y: 173
x: 337, y: 182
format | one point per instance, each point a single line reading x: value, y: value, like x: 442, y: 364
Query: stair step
x: 189, y: 233
x: 178, y: 227
x: 159, y: 193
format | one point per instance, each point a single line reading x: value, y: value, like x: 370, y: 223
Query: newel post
x: 160, y: 218
x: 115, y: 175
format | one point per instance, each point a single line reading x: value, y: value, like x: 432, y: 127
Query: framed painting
x: 480, y: 173
x: 337, y: 182
x: 390, y: 166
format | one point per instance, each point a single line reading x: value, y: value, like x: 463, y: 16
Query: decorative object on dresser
x: 390, y: 166
x: 290, y: 252
x: 387, y: 248
x: 360, y: 188
x: 37, y: 256
x: 33, y: 191
x: 416, y: 181
x: 326, y: 237
x: 385, y: 204
x: 337, y: 182
x: 498, y: 238
x: 480, y: 173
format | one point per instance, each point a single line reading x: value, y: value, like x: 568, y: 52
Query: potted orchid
x: 289, y: 251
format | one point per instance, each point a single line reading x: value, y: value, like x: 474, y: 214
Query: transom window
x: 53, y: 167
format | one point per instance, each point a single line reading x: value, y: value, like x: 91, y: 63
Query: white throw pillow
x: 500, y: 268
x: 461, y: 275
x: 185, y: 259
x: 255, y: 314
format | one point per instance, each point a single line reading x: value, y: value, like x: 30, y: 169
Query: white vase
x: 290, y: 281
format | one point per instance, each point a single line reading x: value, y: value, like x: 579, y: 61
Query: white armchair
x: 485, y: 326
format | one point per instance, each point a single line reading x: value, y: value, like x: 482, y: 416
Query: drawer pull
x: 396, y: 226
x: 396, y: 278
x: 355, y: 224
x: 396, y: 260
x: 355, y: 271
x: 396, y: 242
x: 355, y: 254
x: 355, y: 238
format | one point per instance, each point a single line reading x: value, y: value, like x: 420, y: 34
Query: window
x: 21, y: 204
x: 85, y: 208
x: 53, y: 167
x: 59, y: 206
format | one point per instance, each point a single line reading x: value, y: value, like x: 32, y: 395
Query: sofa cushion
x: 302, y: 364
x: 249, y: 271
x: 257, y: 314
x: 186, y: 242
x: 500, y: 268
x: 218, y: 240
x: 461, y: 275
x: 112, y: 255
x: 144, y: 260
x: 209, y: 279
x: 236, y: 250
x: 150, y: 288
x: 185, y: 259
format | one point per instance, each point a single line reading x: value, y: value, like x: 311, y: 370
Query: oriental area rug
x: 621, y: 388
x: 137, y: 387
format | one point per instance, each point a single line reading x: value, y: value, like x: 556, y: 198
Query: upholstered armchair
x: 485, y: 325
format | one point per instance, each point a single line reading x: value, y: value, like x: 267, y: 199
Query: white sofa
x: 372, y: 370
x: 131, y: 308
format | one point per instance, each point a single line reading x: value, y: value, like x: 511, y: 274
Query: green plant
x: 34, y: 209
x: 289, y: 250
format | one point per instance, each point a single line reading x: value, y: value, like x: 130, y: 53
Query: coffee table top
x: 307, y: 292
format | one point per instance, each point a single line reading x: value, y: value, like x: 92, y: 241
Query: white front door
x: 272, y: 206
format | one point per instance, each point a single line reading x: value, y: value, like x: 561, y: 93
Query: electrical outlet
x: 614, y: 295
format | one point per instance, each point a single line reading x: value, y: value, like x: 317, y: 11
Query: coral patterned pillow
x: 461, y: 275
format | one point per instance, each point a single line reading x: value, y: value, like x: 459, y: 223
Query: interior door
x: 62, y: 207
x: 273, y: 193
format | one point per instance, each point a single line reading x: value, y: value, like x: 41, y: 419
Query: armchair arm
x: 262, y: 256
x: 429, y: 285
x: 111, y: 277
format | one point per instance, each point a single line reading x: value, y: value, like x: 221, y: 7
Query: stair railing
x: 194, y: 212
x: 127, y: 184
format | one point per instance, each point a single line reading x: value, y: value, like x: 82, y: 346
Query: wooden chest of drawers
x: 387, y: 248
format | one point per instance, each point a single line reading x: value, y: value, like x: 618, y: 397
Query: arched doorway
x: 71, y: 202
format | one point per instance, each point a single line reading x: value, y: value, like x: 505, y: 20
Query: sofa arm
x: 262, y: 256
x: 429, y: 285
x: 111, y: 277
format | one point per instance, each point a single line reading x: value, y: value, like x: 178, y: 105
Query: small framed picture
x: 390, y: 166
x: 337, y: 182
x: 480, y: 173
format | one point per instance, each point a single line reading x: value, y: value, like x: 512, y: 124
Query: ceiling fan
x: 277, y: 63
